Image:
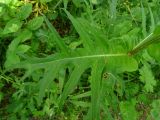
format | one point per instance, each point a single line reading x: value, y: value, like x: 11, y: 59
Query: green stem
x: 145, y: 43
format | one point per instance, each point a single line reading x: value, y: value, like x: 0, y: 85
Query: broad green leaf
x: 12, y: 26
x: 35, y: 23
x: 55, y: 61
x: 122, y: 64
x: 92, y: 55
x: 61, y: 57
x: 24, y: 11
x: 147, y: 77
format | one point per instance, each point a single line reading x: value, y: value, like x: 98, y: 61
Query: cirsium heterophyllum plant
x: 95, y: 54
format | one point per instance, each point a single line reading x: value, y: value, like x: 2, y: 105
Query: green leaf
x: 25, y: 35
x: 11, y: 56
x: 155, y: 111
x: 97, y: 69
x: 147, y: 77
x: 144, y: 31
x: 12, y: 26
x: 154, y: 51
x: 56, y: 37
x: 72, y: 82
x: 24, y: 11
x: 126, y: 64
x: 45, y: 82
x: 150, y: 39
x: 128, y: 110
x: 22, y: 49
x: 35, y: 23
x: 92, y: 55
x: 122, y: 64
x: 157, y: 30
x: 87, y: 42
x: 152, y: 27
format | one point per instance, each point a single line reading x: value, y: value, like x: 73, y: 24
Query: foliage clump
x: 79, y: 59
